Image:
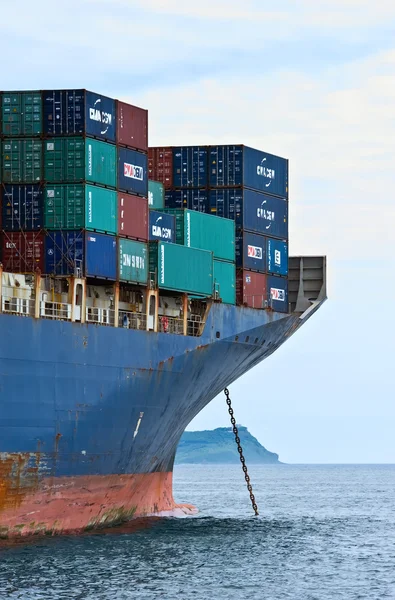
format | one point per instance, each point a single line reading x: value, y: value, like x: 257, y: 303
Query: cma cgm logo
x: 100, y: 116
x: 161, y: 232
x: 276, y: 294
x: 133, y: 171
x: 263, y: 171
x: 255, y: 252
x: 130, y: 260
x: 266, y: 215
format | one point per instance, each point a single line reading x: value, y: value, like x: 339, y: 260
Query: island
x: 219, y: 446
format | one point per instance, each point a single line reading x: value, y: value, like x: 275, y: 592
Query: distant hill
x: 219, y: 446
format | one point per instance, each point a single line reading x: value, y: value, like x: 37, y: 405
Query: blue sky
x: 310, y: 81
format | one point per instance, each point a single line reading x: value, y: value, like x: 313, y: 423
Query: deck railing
x: 62, y: 311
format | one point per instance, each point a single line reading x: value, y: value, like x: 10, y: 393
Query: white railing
x: 171, y: 325
x: 60, y: 311
x: 132, y: 320
x: 18, y: 306
x: 100, y: 316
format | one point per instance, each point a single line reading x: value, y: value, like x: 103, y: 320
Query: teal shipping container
x: 132, y: 261
x: 182, y: 269
x: 156, y: 195
x: 22, y: 160
x: 225, y: 281
x: 21, y: 113
x: 207, y: 232
x: 78, y: 159
x: 79, y: 206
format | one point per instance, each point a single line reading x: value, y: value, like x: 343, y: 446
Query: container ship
x: 135, y: 284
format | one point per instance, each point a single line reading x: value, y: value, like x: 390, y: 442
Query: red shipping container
x: 132, y: 216
x: 132, y: 126
x: 160, y: 165
x: 251, y: 289
x: 23, y: 252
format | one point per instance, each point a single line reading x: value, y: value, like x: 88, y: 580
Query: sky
x: 310, y: 81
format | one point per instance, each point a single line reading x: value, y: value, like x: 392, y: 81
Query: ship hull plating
x: 90, y: 417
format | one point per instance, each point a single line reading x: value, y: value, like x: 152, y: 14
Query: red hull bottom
x: 78, y: 504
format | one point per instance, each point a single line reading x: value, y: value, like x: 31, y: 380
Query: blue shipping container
x: 22, y: 207
x: 262, y: 213
x: 133, y: 172
x: 162, y: 226
x: 251, y: 251
x: 225, y: 202
x: 95, y: 253
x: 231, y: 166
x: 251, y: 210
x: 277, y: 293
x: 277, y: 257
x: 190, y: 166
x: 73, y: 112
x: 192, y: 199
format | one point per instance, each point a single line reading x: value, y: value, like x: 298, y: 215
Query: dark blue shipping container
x: 265, y: 214
x: 162, y: 226
x: 231, y: 166
x: 22, y: 207
x: 277, y: 293
x: 94, y: 253
x: 192, y: 199
x: 251, y: 210
x: 73, y: 112
x: 133, y: 172
x: 225, y: 202
x: 277, y: 257
x: 190, y: 167
x: 251, y: 251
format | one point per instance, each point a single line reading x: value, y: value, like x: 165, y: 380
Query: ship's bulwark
x: 90, y: 417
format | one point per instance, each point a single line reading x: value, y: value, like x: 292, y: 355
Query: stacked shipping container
x: 73, y: 180
x: 249, y: 187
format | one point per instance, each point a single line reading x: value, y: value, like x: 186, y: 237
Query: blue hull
x: 87, y: 401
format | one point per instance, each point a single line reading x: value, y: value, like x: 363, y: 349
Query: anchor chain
x: 240, y: 450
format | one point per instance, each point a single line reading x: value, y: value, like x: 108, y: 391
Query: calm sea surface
x: 323, y: 532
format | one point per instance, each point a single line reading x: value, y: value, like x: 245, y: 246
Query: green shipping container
x: 22, y: 160
x: 79, y: 159
x: 21, y: 113
x: 207, y: 232
x: 225, y: 281
x: 182, y: 269
x: 80, y: 207
x: 156, y: 195
x: 132, y: 261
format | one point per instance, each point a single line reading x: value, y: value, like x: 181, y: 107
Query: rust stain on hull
x: 78, y: 504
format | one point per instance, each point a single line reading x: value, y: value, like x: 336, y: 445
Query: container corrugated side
x: 21, y: 113
x: 192, y: 199
x: 277, y: 293
x: 179, y: 224
x: 23, y: 252
x: 80, y: 206
x: 22, y: 160
x: 265, y: 172
x: 95, y: 252
x: 132, y: 126
x: 72, y: 160
x: 251, y: 289
x: 22, y: 207
x: 182, y: 269
x: 132, y: 261
x: 225, y: 281
x: 225, y: 202
x: 190, y: 166
x: 264, y: 214
x: 160, y: 165
x: 225, y: 166
x: 132, y: 216
x: 73, y: 112
x: 156, y: 195
x: 277, y: 257
x: 133, y: 172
